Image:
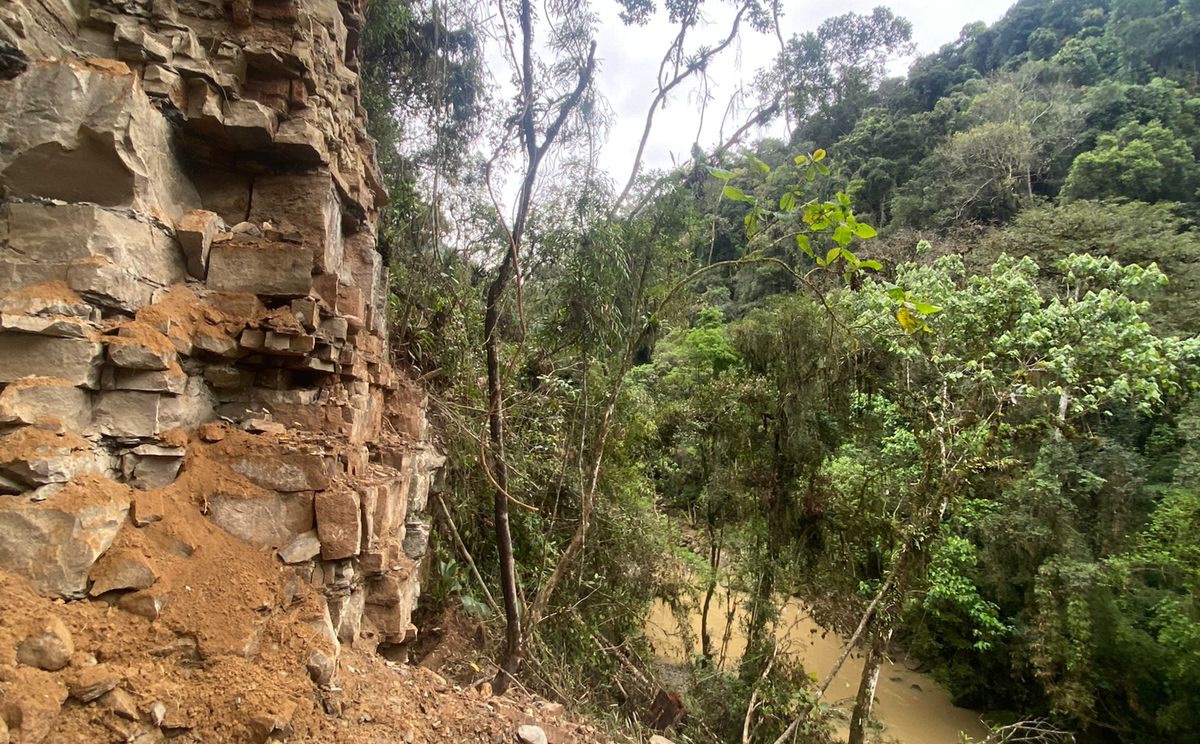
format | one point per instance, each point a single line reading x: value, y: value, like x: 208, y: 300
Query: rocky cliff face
x: 203, y: 448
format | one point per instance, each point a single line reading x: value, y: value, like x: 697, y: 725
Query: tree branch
x: 466, y: 554
x: 699, y: 63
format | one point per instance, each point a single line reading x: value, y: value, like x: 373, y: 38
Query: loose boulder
x: 54, y: 543
x: 121, y: 569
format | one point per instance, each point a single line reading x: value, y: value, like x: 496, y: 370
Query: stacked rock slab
x: 189, y: 281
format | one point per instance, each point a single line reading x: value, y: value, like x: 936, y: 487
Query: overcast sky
x: 630, y: 57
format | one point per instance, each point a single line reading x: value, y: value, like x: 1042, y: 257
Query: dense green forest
x: 927, y: 362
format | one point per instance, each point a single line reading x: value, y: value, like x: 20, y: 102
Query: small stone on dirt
x: 530, y: 734
x: 267, y: 727
x: 146, y: 510
x: 145, y: 735
x: 321, y: 667
x: 121, y: 569
x: 263, y: 426
x: 49, y: 648
x: 211, y: 432
x: 168, y: 717
x: 90, y: 683
x: 148, y: 603
x: 121, y: 703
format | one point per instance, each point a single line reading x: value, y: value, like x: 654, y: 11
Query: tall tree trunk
x: 514, y: 641
x: 514, y: 645
x: 865, y: 701
x: 714, y: 563
x: 705, y: 632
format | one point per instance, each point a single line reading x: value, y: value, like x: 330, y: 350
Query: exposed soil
x: 216, y: 697
x: 225, y: 661
x: 448, y: 644
x: 31, y: 442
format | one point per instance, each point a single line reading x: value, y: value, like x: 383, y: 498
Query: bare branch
x: 761, y: 116
x: 699, y: 63
x: 747, y: 722
x: 465, y: 554
x: 1036, y: 731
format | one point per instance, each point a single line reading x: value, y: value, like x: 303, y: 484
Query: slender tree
x: 538, y: 132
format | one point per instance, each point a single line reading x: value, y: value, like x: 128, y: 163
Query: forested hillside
x: 926, y: 363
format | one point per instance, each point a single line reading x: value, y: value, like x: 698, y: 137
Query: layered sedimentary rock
x: 192, y: 317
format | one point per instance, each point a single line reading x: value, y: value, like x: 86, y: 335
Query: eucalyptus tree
x: 547, y: 99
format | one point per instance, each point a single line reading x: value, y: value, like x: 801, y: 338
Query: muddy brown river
x: 913, y: 708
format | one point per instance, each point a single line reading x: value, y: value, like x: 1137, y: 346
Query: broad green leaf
x: 864, y: 231
x: 823, y: 169
x: 872, y: 265
x: 720, y: 173
x: 818, y: 156
x: 735, y: 194
x: 787, y: 202
x: 805, y: 244
x: 925, y: 308
x: 832, y: 255
x: 763, y: 167
x: 842, y: 235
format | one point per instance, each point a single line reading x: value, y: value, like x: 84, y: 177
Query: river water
x: 913, y: 708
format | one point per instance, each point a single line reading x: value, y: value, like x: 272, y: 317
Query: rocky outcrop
x: 192, y: 322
